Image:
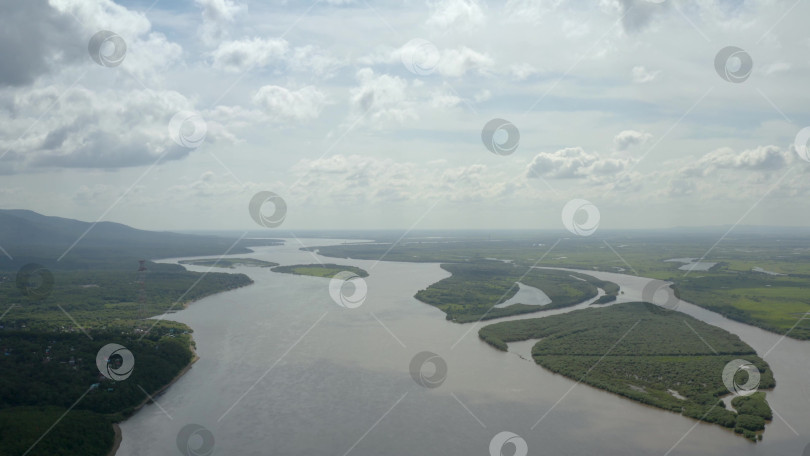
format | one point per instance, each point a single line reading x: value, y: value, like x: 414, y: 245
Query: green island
x: 648, y: 354
x: 229, y: 263
x: 98, y: 295
x: 319, y: 270
x: 474, y: 289
x: 757, y: 277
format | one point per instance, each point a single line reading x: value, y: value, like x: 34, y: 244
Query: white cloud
x: 381, y: 98
x: 572, y: 163
x: 642, y: 75
x: 246, y: 54
x: 458, y: 62
x: 218, y: 16
x: 283, y: 104
x: 630, y: 138
x: 456, y: 14
x: 762, y: 158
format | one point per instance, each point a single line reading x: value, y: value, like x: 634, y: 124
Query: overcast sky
x: 369, y: 114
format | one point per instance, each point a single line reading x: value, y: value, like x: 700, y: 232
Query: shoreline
x: 147, y: 400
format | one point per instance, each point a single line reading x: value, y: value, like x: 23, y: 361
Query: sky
x: 438, y: 114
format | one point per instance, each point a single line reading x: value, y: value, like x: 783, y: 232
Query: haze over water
x: 314, y: 378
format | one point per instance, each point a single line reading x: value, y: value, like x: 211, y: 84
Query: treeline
x: 645, y: 353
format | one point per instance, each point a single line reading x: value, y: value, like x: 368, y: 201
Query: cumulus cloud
x: 34, y: 40
x: 93, y: 129
x: 642, y: 75
x: 459, y: 14
x: 457, y: 62
x: 283, y: 104
x: 762, y: 158
x: 636, y: 14
x: 217, y: 16
x: 630, y: 138
x: 381, y: 97
x: 245, y: 54
x: 572, y: 163
x: 429, y: 58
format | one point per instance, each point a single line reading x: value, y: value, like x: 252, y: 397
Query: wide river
x: 283, y: 370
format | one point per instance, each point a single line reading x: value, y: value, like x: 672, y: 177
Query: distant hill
x: 31, y: 237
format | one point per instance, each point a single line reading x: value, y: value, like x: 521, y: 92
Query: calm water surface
x: 286, y: 371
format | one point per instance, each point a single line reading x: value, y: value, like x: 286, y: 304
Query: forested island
x: 647, y: 354
x: 229, y: 263
x: 319, y: 270
x: 474, y: 289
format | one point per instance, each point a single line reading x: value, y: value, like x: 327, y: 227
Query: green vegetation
x: 643, y: 352
x: 731, y: 288
x: 230, y: 263
x: 473, y: 290
x: 50, y: 338
x: 45, y: 373
x: 319, y: 270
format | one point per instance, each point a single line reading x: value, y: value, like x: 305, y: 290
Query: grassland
x: 230, y: 263
x: 474, y: 289
x: 644, y: 353
x: 319, y: 270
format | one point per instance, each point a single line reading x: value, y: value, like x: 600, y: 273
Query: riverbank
x: 117, y: 429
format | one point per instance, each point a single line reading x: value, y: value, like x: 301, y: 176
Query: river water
x: 284, y: 370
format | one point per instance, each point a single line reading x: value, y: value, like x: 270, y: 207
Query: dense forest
x: 645, y: 353
x: 473, y: 290
x: 57, y: 315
